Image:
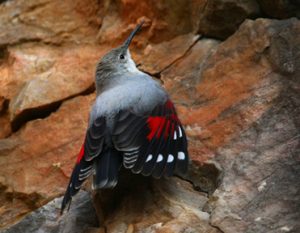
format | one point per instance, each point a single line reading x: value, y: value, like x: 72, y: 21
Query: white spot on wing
x: 180, y: 132
x: 170, y: 158
x: 149, y: 158
x: 175, y: 135
x: 159, y: 158
x: 181, y: 155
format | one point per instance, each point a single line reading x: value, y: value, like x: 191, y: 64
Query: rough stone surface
x: 221, y: 18
x: 5, y: 129
x: 260, y: 189
x: 260, y: 192
x: 161, y: 23
x: 49, y: 21
x: 181, y: 79
x: 35, y: 163
x: 238, y: 81
x: 41, y: 75
x: 156, y: 58
x: 217, y: 18
x: 47, y: 219
x: 238, y: 100
x: 140, y: 204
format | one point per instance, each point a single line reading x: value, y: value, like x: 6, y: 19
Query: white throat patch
x: 130, y: 65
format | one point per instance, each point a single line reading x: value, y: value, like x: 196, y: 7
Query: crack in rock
x: 44, y: 111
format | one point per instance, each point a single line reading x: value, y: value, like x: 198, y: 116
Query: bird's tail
x: 106, y: 168
x: 81, y: 172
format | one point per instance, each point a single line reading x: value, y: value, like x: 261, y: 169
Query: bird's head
x: 117, y: 61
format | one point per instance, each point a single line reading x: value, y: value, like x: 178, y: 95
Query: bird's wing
x: 92, y: 147
x: 153, y: 143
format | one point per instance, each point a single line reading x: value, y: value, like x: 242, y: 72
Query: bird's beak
x: 132, y: 34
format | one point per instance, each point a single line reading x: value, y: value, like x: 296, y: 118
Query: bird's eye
x: 122, y: 57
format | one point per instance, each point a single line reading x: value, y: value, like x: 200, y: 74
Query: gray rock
x: 47, y: 219
x: 260, y: 190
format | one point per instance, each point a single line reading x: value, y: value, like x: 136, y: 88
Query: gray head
x: 117, y: 61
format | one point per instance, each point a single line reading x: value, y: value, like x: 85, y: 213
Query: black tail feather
x: 76, y: 181
x: 106, y: 169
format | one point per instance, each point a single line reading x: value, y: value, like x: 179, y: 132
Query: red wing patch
x: 154, y: 143
x: 159, y: 124
x: 156, y: 125
x: 81, y: 154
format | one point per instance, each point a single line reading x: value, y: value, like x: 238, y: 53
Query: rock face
x: 82, y: 217
x: 43, y: 20
x: 238, y: 98
x: 37, y: 160
x: 231, y: 13
x: 40, y: 76
x: 259, y: 191
x: 146, y: 205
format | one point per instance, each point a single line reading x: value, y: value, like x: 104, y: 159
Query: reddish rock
x: 41, y: 75
x: 162, y: 24
x: 50, y: 21
x: 35, y: 163
x: 181, y: 80
x: 2, y: 101
x: 228, y: 96
x: 255, y: 76
x: 156, y: 58
x: 218, y: 18
x: 5, y: 129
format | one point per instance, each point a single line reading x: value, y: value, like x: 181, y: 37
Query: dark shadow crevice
x: 44, y: 111
x: 3, y: 1
x: 204, y: 178
x: 3, y: 54
x: 33, y: 114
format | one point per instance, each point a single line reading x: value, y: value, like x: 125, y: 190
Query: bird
x: 133, y: 123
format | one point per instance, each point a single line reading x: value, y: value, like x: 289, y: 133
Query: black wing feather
x: 161, y: 149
